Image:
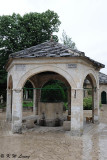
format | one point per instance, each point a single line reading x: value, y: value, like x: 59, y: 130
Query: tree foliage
x: 3, y: 74
x: 19, y: 32
x: 67, y: 41
x: 87, y: 103
x: 54, y: 91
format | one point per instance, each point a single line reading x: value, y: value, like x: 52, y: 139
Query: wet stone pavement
x: 43, y: 143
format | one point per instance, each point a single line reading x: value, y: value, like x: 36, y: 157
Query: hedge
x: 53, y: 93
x: 87, y: 103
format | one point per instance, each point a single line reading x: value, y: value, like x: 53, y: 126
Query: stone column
x: 69, y: 101
x: 9, y: 105
x: 76, y: 112
x: 96, y: 106
x: 37, y: 99
x: 1, y: 99
x: 26, y: 95
x: 34, y: 101
x: 85, y: 93
x: 17, y: 111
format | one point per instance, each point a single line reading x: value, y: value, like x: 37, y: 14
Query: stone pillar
x: 1, y: 99
x: 34, y: 101
x: 85, y: 93
x: 37, y: 99
x: 9, y: 105
x: 17, y: 111
x: 76, y: 112
x: 69, y: 101
x: 26, y: 95
x: 96, y: 106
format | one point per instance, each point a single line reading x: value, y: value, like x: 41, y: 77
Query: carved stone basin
x: 51, y: 113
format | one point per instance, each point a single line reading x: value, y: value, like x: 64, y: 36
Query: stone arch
x: 56, y: 78
x: 103, y: 89
x: 46, y: 68
x: 30, y: 82
x: 92, y: 77
x: 26, y: 96
x: 103, y: 97
x: 50, y: 68
x: 64, y: 81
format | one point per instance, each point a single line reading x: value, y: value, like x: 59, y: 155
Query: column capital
x: 77, y: 88
x: 17, y: 90
x: 8, y: 89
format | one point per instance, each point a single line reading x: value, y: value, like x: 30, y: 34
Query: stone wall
x: 50, y: 112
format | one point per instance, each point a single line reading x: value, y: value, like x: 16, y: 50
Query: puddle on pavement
x: 42, y: 143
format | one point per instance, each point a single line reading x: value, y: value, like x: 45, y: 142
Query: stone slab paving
x: 52, y: 143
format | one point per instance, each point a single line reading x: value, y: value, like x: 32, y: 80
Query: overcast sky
x: 83, y: 20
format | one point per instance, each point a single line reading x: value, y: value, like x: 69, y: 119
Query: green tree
x: 19, y: 32
x: 67, y: 41
x: 3, y: 74
x: 54, y: 91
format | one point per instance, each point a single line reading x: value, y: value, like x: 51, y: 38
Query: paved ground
x: 43, y: 143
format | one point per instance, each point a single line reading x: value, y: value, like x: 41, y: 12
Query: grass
x: 27, y: 104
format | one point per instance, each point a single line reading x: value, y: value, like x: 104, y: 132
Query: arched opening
x: 89, y: 90
x: 48, y: 87
x: 54, y: 93
x: 47, y: 68
x: 35, y: 75
x: 27, y: 106
x: 103, y: 97
x: 10, y: 99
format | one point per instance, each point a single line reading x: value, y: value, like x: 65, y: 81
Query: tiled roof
x: 102, y: 78
x: 47, y: 49
x: 52, y: 49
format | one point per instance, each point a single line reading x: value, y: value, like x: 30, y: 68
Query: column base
x: 77, y: 132
x: 17, y: 127
x: 9, y: 119
x: 96, y: 119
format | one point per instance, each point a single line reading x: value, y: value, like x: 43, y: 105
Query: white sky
x: 83, y: 20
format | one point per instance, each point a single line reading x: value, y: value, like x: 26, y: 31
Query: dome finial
x: 51, y: 39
